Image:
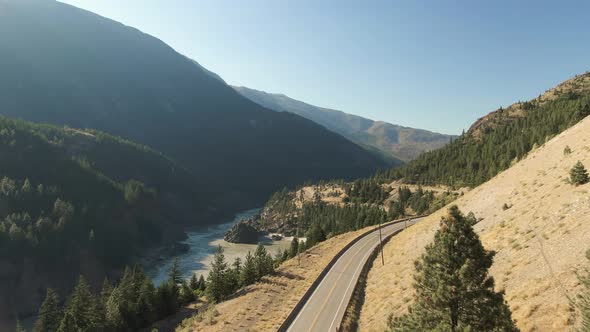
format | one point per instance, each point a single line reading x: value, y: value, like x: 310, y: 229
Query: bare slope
x: 540, y: 240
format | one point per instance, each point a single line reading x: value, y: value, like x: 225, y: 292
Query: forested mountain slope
x: 63, y: 65
x: 397, y: 142
x: 532, y: 216
x: 74, y: 201
x: 501, y: 138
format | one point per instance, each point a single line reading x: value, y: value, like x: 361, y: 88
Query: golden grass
x: 266, y: 304
x: 540, y: 240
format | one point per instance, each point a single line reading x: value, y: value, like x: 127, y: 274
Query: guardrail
x: 289, y: 320
x: 353, y: 307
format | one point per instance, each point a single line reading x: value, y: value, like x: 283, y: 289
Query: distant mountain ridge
x: 394, y: 141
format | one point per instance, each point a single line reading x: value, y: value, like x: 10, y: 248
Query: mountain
x: 527, y: 211
x: 395, y: 142
x: 537, y: 223
x: 81, y: 201
x: 501, y: 138
x: 67, y: 66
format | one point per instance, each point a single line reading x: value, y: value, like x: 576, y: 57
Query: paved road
x: 325, y: 308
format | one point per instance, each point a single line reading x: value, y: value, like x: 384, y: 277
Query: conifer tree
x: 81, y: 306
x: 174, y: 275
x: 248, y: 276
x: 217, y: 280
x: 453, y: 289
x: 294, y: 250
x: 263, y: 260
x: 315, y: 235
x: 50, y: 314
x: 234, y: 280
x: 166, y: 299
x: 202, y: 283
x: 578, y: 174
x: 68, y: 323
x: 186, y: 293
x: 113, y: 314
x: 146, y: 303
x: 194, y: 283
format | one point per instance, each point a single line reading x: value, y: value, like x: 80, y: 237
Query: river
x: 203, y: 244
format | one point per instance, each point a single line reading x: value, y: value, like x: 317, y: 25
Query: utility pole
x: 297, y: 232
x: 298, y: 245
x: 381, y: 244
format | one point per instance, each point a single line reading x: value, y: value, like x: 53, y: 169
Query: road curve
x: 324, y: 310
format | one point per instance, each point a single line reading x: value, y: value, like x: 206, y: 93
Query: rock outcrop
x: 242, y: 232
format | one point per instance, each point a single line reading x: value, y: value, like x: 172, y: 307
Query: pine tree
x: 146, y: 303
x: 194, y: 283
x: 578, y: 174
x: 68, y: 324
x: 248, y: 276
x: 202, y: 283
x: 166, y: 299
x: 263, y: 260
x: 294, y: 250
x: 174, y: 275
x: 114, y: 316
x: 233, y: 280
x: 128, y: 290
x: 105, y: 293
x: 315, y: 235
x: 453, y: 289
x: 217, y: 280
x: 50, y: 314
x: 81, y: 306
x: 186, y: 293
x: 581, y: 303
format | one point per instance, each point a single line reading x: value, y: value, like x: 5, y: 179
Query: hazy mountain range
x: 393, y: 141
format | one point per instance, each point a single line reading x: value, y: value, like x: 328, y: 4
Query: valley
x: 202, y: 244
x: 143, y: 191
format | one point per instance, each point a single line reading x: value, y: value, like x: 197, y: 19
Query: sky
x: 437, y: 65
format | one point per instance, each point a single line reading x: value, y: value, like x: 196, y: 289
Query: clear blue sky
x: 437, y: 65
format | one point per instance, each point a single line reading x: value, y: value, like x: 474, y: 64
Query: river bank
x: 196, y: 252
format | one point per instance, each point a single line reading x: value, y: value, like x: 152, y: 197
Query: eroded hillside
x: 538, y: 223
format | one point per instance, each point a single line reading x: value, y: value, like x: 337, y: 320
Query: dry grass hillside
x: 265, y: 305
x: 540, y: 239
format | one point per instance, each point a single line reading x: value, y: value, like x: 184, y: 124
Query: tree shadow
x: 289, y: 276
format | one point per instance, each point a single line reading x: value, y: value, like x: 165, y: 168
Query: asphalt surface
x: 325, y: 308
